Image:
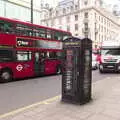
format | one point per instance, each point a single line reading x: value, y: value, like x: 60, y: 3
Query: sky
x: 112, y: 1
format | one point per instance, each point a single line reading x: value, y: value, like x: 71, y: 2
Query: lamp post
x: 31, y: 11
x: 5, y: 7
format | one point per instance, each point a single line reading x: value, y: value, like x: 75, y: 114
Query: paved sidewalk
x: 105, y: 105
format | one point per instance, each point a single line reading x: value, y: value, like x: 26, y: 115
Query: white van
x: 110, y: 56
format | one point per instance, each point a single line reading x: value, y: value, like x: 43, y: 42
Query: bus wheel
x: 5, y: 76
x: 58, y: 70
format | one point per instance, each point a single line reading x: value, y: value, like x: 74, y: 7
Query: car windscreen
x: 110, y: 52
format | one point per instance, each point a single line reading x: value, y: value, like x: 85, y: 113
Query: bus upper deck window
x: 65, y: 36
x: 42, y: 32
x: 6, y: 27
x: 1, y: 26
x: 57, y: 36
x: 49, y: 34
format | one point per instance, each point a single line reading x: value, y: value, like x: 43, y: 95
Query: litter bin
x: 76, y: 76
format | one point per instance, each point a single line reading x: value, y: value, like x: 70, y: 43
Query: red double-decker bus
x: 28, y: 50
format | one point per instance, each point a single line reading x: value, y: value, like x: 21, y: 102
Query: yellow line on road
x: 28, y: 107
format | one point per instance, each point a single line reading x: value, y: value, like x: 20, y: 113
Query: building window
x: 104, y: 30
x: 68, y: 19
x: 76, y: 7
x: 76, y: 34
x: 102, y: 19
x: 64, y: 10
x: 76, y: 27
x: 71, y: 8
x: 76, y: 17
x: 68, y: 9
x: 95, y: 16
x: 102, y: 37
x: 99, y: 18
x: 101, y: 28
x: 85, y: 2
x: 50, y: 14
x: 47, y: 24
x: 57, y: 12
x: 99, y: 38
x: 60, y: 20
x: 60, y: 27
x: 52, y: 22
x: 86, y: 26
x: 68, y: 28
x: 105, y: 37
x: 86, y: 14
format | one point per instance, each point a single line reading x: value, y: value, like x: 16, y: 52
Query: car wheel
x: 101, y: 71
x: 96, y: 67
x: 5, y: 76
x: 58, y: 70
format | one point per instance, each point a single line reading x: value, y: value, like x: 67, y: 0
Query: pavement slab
x: 105, y: 105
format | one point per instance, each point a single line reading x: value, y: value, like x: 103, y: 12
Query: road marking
x: 30, y: 106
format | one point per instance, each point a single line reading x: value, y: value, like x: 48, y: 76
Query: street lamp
x: 31, y: 11
x: 5, y: 7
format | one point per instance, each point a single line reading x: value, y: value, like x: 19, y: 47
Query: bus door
x: 38, y: 64
x: 50, y: 63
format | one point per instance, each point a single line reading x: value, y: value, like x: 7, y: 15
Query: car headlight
x: 118, y: 67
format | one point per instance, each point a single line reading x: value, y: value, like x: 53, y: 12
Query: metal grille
x: 110, y: 60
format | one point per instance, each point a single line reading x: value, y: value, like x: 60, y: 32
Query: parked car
x: 94, y: 62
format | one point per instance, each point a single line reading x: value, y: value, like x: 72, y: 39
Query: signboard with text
x: 45, y: 44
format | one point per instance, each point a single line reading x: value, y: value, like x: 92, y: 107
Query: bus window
x: 1, y: 26
x: 24, y: 56
x: 24, y: 30
x: 35, y: 32
x: 28, y: 31
x: 54, y: 55
x: 6, y: 27
x: 37, y: 56
x: 19, y: 29
x: 42, y: 32
x: 65, y: 36
x: 6, y: 55
x: 59, y: 55
x: 57, y: 36
x: 49, y: 34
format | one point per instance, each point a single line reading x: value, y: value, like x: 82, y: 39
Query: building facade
x: 84, y: 18
x: 20, y: 10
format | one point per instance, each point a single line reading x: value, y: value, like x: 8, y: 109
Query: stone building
x: 83, y: 18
